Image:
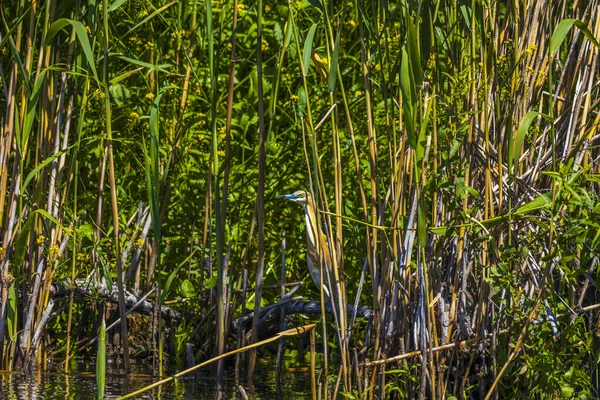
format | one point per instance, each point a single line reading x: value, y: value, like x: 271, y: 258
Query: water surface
x: 82, y: 385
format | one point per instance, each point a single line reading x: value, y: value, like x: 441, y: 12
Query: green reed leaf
x: 308, y: 49
x: 84, y: 41
x: 563, y: 28
x: 334, y: 63
x: 101, y: 361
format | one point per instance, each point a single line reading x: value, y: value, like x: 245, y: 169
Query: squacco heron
x: 305, y: 199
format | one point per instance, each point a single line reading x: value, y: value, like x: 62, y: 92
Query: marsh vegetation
x: 451, y: 147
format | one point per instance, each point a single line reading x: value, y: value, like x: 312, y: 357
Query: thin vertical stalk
x: 260, y: 195
x: 113, y: 195
x: 217, y: 193
x: 101, y: 359
x: 313, y: 378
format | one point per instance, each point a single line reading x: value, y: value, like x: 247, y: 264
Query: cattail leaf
x: 563, y: 28
x: 415, y: 56
x: 407, y: 113
x: 405, y: 77
x: 106, y: 273
x: 308, y: 49
x: 427, y: 38
x: 31, y: 113
x: 123, y: 76
x: 11, y: 319
x: 116, y: 4
x: 519, y: 139
x: 21, y: 243
x: 101, y: 361
x: 302, y: 100
x: 42, y: 165
x: 46, y: 215
x: 422, y: 140
x: 82, y: 35
x: 334, y: 63
x: 155, y: 140
x: 167, y: 288
x: 421, y: 224
x: 535, y: 204
x: 152, y: 195
x: 466, y: 13
x: 288, y: 31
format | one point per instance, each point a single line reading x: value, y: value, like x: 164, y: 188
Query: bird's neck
x: 311, y: 224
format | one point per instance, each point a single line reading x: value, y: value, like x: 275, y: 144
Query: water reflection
x: 82, y: 385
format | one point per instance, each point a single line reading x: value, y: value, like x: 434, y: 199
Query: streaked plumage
x: 305, y: 199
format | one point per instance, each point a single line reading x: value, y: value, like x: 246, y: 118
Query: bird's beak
x: 288, y: 196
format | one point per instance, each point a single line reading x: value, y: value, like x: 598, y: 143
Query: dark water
x: 82, y: 385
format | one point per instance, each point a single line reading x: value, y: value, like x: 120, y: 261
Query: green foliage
x: 101, y: 362
x: 455, y: 105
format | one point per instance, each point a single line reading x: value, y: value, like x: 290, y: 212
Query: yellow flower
x: 294, y: 98
x: 351, y: 22
x: 377, y: 67
x: 221, y: 153
x: 134, y: 115
x: 530, y: 49
x: 267, y: 8
x: 140, y: 243
x: 53, y: 252
x: 2, y: 251
x: 150, y: 96
x: 265, y: 45
x: 530, y: 69
x: 358, y: 93
x: 40, y: 240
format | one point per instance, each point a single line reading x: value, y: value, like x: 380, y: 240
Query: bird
x: 305, y: 199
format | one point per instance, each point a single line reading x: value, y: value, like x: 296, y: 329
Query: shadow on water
x: 82, y: 385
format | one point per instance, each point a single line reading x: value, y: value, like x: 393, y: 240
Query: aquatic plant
x: 451, y: 149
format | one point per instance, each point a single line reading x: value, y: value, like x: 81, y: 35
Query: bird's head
x: 301, y: 197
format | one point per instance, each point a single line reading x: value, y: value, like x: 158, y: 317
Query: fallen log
x: 295, y: 306
x: 85, y: 290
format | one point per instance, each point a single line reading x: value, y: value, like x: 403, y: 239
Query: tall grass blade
x: 101, y: 362
x: 306, y: 53
x: 84, y: 40
x: 563, y: 28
